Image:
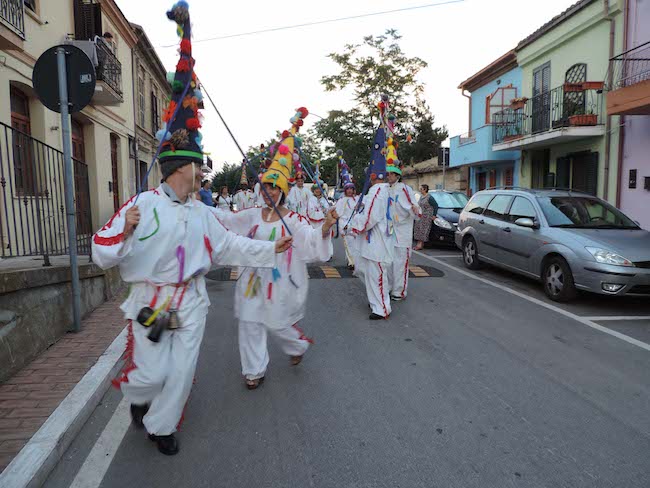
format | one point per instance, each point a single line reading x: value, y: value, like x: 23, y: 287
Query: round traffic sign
x: 80, y: 74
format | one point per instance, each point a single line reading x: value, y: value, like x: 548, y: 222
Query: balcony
x: 628, y: 82
x: 109, y: 75
x: 567, y: 113
x: 12, y: 24
x: 475, y: 147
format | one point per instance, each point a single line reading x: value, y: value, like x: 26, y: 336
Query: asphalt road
x: 467, y: 384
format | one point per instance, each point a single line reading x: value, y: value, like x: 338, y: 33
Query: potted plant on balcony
x: 573, y: 87
x: 593, y: 85
x: 518, y: 103
x: 582, y: 118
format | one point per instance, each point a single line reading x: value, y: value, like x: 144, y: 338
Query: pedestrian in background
x: 224, y: 202
x: 205, y: 194
x: 429, y: 211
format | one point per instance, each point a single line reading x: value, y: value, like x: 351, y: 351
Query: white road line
x: 582, y: 320
x: 98, y: 461
x: 607, y: 318
x: 446, y: 255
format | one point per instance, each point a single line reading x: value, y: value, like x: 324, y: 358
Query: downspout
x: 621, y: 137
x: 134, y: 84
x: 469, y: 129
x: 608, y: 122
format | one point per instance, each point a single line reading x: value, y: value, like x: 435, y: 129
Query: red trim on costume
x: 408, y: 197
x: 381, y: 289
x: 154, y: 300
x: 302, y: 337
x: 406, y: 270
x: 182, y: 419
x: 108, y: 241
x: 129, y: 365
x: 208, y: 246
x: 117, y: 214
x: 369, y: 214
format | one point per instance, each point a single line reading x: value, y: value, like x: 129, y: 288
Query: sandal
x: 253, y: 384
x: 295, y: 360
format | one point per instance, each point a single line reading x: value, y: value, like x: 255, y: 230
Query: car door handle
x: 481, y: 221
x: 506, y: 229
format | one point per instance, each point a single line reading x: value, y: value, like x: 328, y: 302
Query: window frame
x: 142, y: 99
x: 503, y: 217
x: 476, y: 197
x: 512, y: 204
x: 504, y: 105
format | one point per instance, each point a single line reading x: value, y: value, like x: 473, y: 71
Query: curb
x: 33, y: 464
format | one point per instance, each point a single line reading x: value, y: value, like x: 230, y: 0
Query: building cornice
x: 505, y: 63
x: 123, y: 26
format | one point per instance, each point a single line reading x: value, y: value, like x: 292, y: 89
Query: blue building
x: 491, y: 90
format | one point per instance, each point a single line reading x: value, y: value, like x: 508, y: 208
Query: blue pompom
x: 161, y: 133
x: 199, y: 138
x: 199, y: 95
x: 182, y: 3
x: 170, y: 77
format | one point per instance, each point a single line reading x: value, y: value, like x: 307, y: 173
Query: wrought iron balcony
x: 109, y: 71
x: 628, y: 82
x: 12, y: 16
x: 572, y: 105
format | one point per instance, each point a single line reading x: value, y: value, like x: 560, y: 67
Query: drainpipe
x: 134, y: 84
x: 469, y: 123
x: 621, y: 137
x: 608, y: 123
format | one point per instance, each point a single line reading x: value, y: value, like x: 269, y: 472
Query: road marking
x: 101, y: 456
x: 446, y: 256
x: 582, y: 320
x: 330, y: 272
x: 606, y: 318
x: 234, y: 274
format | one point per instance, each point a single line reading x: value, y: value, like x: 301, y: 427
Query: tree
x: 376, y: 66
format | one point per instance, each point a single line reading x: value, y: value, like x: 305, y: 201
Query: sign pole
x: 69, y: 187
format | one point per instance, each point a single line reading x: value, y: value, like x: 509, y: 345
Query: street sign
x: 80, y: 74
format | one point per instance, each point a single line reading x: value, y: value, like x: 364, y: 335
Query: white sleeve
x: 109, y: 244
x: 309, y: 245
x: 231, y: 249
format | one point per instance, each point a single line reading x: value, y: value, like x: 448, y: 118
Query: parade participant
x: 299, y: 196
x: 244, y: 198
x: 274, y: 301
x: 320, y: 199
x: 404, y: 212
x: 224, y: 201
x: 375, y: 237
x: 344, y: 208
x: 164, y: 242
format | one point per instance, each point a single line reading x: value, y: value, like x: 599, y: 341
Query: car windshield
x: 583, y: 213
x: 450, y: 200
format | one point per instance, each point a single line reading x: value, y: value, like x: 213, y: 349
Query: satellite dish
x: 80, y: 74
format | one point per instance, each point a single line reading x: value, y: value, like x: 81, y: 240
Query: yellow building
x: 32, y: 212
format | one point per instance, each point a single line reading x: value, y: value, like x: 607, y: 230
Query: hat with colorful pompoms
x: 346, y: 176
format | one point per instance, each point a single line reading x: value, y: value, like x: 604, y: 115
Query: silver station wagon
x: 569, y: 240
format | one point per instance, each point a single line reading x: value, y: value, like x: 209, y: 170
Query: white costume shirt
x: 375, y: 241
x: 174, y: 243
x: 277, y: 301
x: 259, y: 197
x: 224, y: 203
x: 315, y: 212
x: 344, y: 208
x: 244, y: 199
x: 402, y: 213
x: 298, y: 200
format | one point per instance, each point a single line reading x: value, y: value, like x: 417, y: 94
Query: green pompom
x: 177, y: 86
x: 297, y: 141
x: 283, y: 161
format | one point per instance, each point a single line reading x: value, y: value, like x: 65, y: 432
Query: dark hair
x: 204, y: 182
x: 107, y: 35
x: 283, y: 198
x: 224, y: 187
x: 426, y: 187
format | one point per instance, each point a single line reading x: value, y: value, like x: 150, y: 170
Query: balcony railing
x: 629, y: 68
x: 467, y: 138
x: 12, y: 14
x: 109, y: 69
x: 570, y: 105
x: 32, y: 198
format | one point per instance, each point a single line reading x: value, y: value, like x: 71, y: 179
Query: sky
x: 258, y: 81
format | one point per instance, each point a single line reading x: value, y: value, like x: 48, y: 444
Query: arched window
x: 574, y: 102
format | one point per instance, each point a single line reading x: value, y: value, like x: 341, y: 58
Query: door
x: 584, y: 172
x: 491, y: 228
x: 81, y: 188
x: 482, y: 181
x: 563, y: 173
x: 520, y: 244
x: 115, y: 173
x: 24, y: 174
x: 540, y: 161
x: 493, y: 178
x: 541, y: 98
x: 573, y: 102
x: 508, y: 177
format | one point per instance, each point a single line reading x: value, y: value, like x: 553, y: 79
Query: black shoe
x: 374, y: 316
x: 167, y: 444
x: 137, y: 414
x: 396, y: 299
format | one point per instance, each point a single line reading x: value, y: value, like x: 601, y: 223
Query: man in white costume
x: 344, y: 208
x: 164, y: 242
x: 375, y: 237
x: 299, y: 196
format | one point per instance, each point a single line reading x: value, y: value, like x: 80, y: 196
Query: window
x: 22, y: 143
x: 78, y: 144
x: 498, y: 206
x: 155, y: 113
x: 115, y: 142
x: 141, y: 99
x: 583, y: 212
x: 477, y: 204
x: 87, y: 19
x: 522, y: 208
x: 499, y: 101
x: 143, y: 172
x: 508, y: 180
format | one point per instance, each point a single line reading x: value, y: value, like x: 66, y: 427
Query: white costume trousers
x: 399, y: 272
x: 164, y: 373
x: 375, y: 275
x: 253, y: 350
x: 348, y: 243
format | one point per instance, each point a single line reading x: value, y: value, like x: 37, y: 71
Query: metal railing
x: 569, y: 105
x: 12, y: 14
x: 467, y: 138
x: 109, y: 69
x: 629, y: 68
x: 32, y: 200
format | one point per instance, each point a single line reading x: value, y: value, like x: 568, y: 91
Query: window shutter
x: 592, y: 174
x: 563, y: 173
x: 87, y: 19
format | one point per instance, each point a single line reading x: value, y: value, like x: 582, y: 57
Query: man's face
x: 206, y: 186
x: 300, y: 181
x: 318, y: 193
x: 192, y: 175
x: 392, y: 178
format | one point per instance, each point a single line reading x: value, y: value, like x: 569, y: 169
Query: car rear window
x: 498, y: 206
x: 478, y: 203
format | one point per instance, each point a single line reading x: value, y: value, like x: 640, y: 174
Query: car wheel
x: 558, y: 280
x: 470, y: 254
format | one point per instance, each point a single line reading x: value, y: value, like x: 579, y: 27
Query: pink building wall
x: 636, y: 148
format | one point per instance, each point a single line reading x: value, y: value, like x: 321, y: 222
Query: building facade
x: 567, y: 138
x: 430, y: 173
x: 491, y: 91
x: 629, y: 96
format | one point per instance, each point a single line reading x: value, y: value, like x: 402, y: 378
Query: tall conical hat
x: 244, y: 179
x: 346, y: 177
x: 388, y: 120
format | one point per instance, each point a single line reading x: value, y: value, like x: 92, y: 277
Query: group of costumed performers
x: 164, y: 242
x: 273, y: 301
x: 245, y: 197
x: 382, y: 225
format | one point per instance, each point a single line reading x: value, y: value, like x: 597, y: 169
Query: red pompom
x: 193, y: 124
x: 390, y: 161
x: 285, y: 134
x: 183, y: 65
x: 299, y: 123
x: 303, y: 112
x: 186, y: 47
x: 283, y: 149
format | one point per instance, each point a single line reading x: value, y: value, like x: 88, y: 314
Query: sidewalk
x: 33, y: 394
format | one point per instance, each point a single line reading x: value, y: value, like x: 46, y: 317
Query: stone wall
x: 36, y: 308
x: 429, y: 173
